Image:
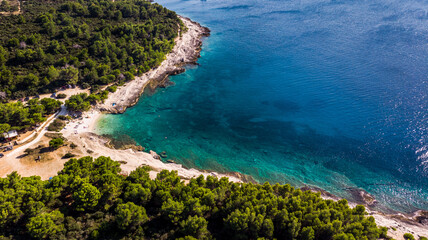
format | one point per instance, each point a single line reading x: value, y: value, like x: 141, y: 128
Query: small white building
x: 10, y: 135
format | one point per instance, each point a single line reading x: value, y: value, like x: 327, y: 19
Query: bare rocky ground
x: 186, y: 51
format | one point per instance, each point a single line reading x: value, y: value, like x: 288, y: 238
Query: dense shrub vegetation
x: 82, y: 102
x: 6, y: 6
x: 17, y: 116
x: 83, y: 42
x: 56, y: 143
x: 57, y: 125
x: 91, y: 199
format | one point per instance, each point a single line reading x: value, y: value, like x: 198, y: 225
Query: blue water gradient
x: 332, y: 94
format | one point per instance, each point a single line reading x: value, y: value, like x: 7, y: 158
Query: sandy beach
x: 82, y: 133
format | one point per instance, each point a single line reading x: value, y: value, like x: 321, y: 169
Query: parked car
x: 8, y: 148
x: 1, y: 155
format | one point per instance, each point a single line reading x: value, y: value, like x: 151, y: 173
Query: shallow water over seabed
x: 332, y: 94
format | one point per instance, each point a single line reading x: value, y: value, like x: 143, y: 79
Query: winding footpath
x: 10, y: 158
x: 186, y: 51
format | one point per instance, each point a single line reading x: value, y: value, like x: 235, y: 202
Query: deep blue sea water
x: 325, y: 93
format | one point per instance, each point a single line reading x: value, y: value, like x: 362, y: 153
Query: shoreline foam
x: 126, y: 96
x: 186, y: 51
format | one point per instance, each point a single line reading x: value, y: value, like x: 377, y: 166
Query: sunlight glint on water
x: 331, y: 94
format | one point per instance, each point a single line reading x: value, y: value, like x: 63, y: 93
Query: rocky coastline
x: 397, y: 223
x: 185, y: 52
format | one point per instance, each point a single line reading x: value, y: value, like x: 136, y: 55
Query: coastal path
x: 9, y: 159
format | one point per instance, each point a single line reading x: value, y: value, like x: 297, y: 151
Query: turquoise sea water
x: 332, y: 94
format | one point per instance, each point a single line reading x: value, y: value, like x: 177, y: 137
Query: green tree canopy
x: 46, y: 225
x: 130, y: 216
x: 18, y: 116
x: 78, y: 103
x: 92, y: 199
x: 50, y: 105
x: 56, y: 143
x: 86, y: 197
x: 56, y: 43
x: 4, y: 127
